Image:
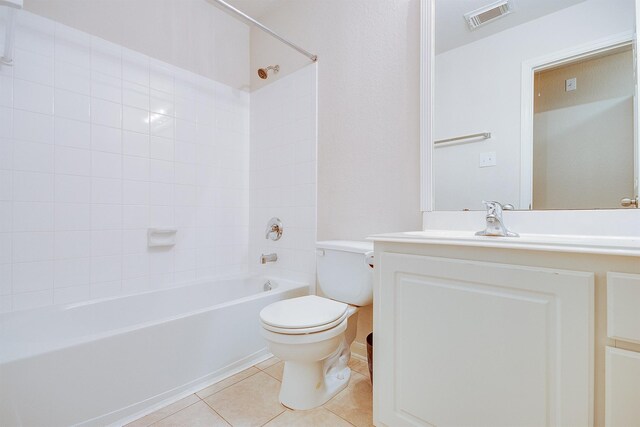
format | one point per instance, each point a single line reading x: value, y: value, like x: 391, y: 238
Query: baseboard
x: 359, y: 350
x: 124, y: 416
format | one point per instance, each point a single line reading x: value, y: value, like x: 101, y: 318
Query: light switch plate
x: 487, y: 159
x: 570, y: 84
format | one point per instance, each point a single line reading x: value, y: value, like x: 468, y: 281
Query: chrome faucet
x: 265, y: 258
x: 495, y: 223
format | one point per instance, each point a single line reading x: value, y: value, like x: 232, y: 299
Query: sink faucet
x: 265, y: 258
x: 495, y: 223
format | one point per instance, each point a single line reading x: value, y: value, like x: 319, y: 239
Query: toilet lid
x: 303, y: 313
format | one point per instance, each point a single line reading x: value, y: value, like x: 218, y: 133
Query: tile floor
x: 250, y: 398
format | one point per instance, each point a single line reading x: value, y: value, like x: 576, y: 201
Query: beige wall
x: 368, y: 110
x: 584, y: 139
x: 191, y: 34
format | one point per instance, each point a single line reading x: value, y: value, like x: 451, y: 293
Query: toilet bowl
x: 313, y: 334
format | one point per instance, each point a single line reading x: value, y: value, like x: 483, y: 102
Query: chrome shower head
x: 263, y: 73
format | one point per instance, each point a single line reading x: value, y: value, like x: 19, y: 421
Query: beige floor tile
x: 318, y: 417
x: 250, y: 402
x: 359, y: 366
x: 197, y: 415
x: 206, y: 392
x: 276, y: 370
x: 355, y: 403
x: 164, y: 412
x: 269, y: 362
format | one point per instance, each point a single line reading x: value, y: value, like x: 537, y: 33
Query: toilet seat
x: 303, y: 315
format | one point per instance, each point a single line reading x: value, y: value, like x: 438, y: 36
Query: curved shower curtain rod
x: 236, y: 11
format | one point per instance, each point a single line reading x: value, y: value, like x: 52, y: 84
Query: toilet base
x: 307, y: 385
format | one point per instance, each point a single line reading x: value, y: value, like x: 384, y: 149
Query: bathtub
x: 111, y: 360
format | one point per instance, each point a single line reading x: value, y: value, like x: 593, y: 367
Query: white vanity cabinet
x: 480, y: 335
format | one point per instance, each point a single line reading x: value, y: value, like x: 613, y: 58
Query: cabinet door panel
x: 470, y: 343
x: 623, y: 301
x: 622, y: 388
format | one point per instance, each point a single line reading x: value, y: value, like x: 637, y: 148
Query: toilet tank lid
x: 346, y: 246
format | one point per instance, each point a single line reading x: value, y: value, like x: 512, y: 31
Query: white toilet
x: 312, y: 334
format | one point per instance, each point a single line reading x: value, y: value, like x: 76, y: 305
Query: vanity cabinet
x: 468, y: 335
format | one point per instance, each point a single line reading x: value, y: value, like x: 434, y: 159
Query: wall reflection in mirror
x: 536, y: 106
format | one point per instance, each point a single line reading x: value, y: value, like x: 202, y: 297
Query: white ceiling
x: 253, y: 8
x: 452, y: 30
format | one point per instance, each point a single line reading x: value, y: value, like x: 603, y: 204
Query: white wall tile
x: 33, y: 157
x: 104, y: 138
x: 135, y: 120
x: 6, y: 215
x: 135, y: 192
x: 33, y: 127
x: 135, y: 95
x: 33, y: 67
x: 106, y: 113
x: 135, y: 144
x: 161, y: 148
x: 135, y: 168
x: 6, y: 122
x: 72, y: 216
x: 31, y: 96
x: 105, y: 269
x: 72, y: 189
x: 6, y: 91
x: 72, y: 244
x: 32, y: 216
x: 72, y: 161
x: 32, y: 246
x: 106, y: 217
x: 28, y: 300
x: 98, y: 143
x: 72, y: 272
x: 32, y: 276
x: 72, y: 133
x: 105, y: 190
x: 135, y: 265
x: 32, y: 187
x: 106, y: 87
x: 72, y: 105
x: 72, y: 77
x: 106, y: 165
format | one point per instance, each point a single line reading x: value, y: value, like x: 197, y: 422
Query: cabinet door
x: 623, y: 300
x: 622, y: 388
x: 465, y: 343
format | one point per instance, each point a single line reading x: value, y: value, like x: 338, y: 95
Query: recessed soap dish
x: 157, y: 237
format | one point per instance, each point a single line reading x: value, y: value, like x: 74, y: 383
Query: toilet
x: 313, y: 334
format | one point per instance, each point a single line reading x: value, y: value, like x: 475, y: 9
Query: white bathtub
x: 104, y: 361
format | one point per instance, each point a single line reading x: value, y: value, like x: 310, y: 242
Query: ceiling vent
x: 488, y: 13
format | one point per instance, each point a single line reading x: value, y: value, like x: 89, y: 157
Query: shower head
x: 263, y: 73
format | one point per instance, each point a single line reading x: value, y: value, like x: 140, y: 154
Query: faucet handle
x: 493, y: 207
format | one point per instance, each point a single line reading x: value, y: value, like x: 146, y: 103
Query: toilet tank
x: 344, y: 271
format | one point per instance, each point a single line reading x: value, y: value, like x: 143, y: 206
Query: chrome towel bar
x: 483, y: 135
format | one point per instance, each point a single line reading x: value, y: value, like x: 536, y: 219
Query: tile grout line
x: 224, y: 388
x: 171, y: 414
x: 337, y: 415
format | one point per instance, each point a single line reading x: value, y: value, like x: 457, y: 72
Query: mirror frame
x: 427, y: 59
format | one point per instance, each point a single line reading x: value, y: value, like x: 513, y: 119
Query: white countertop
x: 605, y: 245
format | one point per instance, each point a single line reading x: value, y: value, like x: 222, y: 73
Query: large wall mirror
x: 534, y: 104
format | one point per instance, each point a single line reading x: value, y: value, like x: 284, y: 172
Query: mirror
x: 536, y: 106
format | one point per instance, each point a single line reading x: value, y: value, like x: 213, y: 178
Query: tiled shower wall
x: 283, y: 174
x: 98, y: 143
